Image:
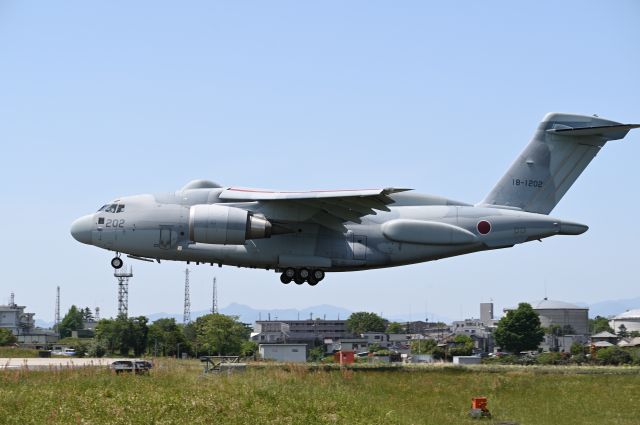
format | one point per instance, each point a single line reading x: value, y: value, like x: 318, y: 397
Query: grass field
x: 176, y: 392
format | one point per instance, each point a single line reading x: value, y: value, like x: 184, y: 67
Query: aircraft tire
x: 298, y: 280
x: 285, y: 279
x: 117, y: 263
x: 304, y: 274
x: 318, y: 275
x: 290, y: 273
x: 312, y: 281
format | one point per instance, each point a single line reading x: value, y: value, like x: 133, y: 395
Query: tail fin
x: 561, y: 148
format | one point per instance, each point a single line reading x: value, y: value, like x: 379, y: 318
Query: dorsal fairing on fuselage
x: 409, y: 199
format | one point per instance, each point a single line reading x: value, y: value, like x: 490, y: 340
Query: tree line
x: 212, y: 334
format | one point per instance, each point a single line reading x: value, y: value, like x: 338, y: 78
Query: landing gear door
x: 168, y: 237
x: 359, y: 247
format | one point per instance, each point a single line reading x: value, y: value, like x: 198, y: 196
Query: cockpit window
x: 112, y: 208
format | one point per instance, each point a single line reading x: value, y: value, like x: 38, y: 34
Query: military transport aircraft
x: 302, y: 235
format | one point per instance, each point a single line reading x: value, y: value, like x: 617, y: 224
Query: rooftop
x: 630, y: 314
x: 546, y: 304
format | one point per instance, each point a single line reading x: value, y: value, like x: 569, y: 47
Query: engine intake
x: 219, y: 224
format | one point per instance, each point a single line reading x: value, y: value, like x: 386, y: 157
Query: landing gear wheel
x: 290, y: 273
x: 285, y: 279
x: 312, y: 281
x: 318, y: 275
x: 116, y: 262
x: 298, y: 280
x: 304, y: 274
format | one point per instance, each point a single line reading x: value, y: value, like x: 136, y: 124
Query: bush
x: 613, y: 356
x: 552, y: 358
x: 97, y: 348
x: 7, y: 337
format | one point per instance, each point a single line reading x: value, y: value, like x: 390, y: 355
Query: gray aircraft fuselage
x: 303, y: 232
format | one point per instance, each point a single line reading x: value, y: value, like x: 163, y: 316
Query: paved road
x: 46, y: 363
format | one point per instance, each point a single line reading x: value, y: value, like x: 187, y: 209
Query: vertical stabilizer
x: 562, y: 147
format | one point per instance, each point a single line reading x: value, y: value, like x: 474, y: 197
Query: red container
x: 344, y: 357
x: 479, y: 403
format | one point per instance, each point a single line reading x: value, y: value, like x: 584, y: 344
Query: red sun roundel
x: 484, y: 227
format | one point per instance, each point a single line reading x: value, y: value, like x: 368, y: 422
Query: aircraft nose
x: 81, y: 229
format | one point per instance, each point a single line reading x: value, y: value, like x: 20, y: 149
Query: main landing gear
x: 300, y: 276
x: 116, y: 262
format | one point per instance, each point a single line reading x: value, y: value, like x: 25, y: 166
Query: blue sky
x: 99, y: 100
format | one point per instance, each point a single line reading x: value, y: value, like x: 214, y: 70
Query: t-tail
x: 562, y: 147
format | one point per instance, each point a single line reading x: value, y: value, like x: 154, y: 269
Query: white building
x: 630, y: 319
x: 283, y: 352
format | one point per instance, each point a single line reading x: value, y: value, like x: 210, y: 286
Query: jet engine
x: 219, y: 224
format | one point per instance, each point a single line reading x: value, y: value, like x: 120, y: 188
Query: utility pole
x: 214, y: 303
x: 57, y: 312
x: 186, y: 317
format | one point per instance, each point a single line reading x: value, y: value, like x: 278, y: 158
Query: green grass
x: 177, y: 392
x: 16, y: 352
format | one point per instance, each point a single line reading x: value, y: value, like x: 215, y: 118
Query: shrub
x: 613, y: 356
x: 552, y: 358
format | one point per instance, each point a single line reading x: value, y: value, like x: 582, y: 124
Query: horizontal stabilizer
x: 608, y: 132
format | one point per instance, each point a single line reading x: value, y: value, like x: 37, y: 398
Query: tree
x: 124, y: 334
x: 599, y: 324
x: 221, y: 334
x: 72, y: 321
x: 361, y: 322
x: 137, y: 334
x: 423, y: 346
x: 316, y: 354
x: 622, y: 331
x: 248, y: 348
x: 519, y: 330
x: 463, y: 346
x: 7, y: 337
x: 395, y: 328
x: 164, y: 337
x: 87, y: 315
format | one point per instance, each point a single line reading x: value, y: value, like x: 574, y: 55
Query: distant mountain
x: 43, y: 324
x: 613, y: 307
x: 248, y: 314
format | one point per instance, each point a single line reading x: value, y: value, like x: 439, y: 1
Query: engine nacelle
x: 219, y: 224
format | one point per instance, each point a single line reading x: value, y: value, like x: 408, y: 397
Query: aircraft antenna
x: 186, y: 316
x: 214, y: 301
x: 123, y: 275
x: 57, y: 312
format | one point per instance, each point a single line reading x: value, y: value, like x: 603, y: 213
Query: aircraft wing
x: 334, y: 207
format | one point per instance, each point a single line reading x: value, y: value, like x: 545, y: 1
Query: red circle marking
x: 484, y: 227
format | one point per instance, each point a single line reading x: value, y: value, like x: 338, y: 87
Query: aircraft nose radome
x: 81, y: 229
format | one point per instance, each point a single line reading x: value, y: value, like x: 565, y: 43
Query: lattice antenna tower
x: 57, y: 312
x: 123, y: 275
x: 186, y: 317
x: 97, y: 315
x: 12, y: 299
x: 214, y: 301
